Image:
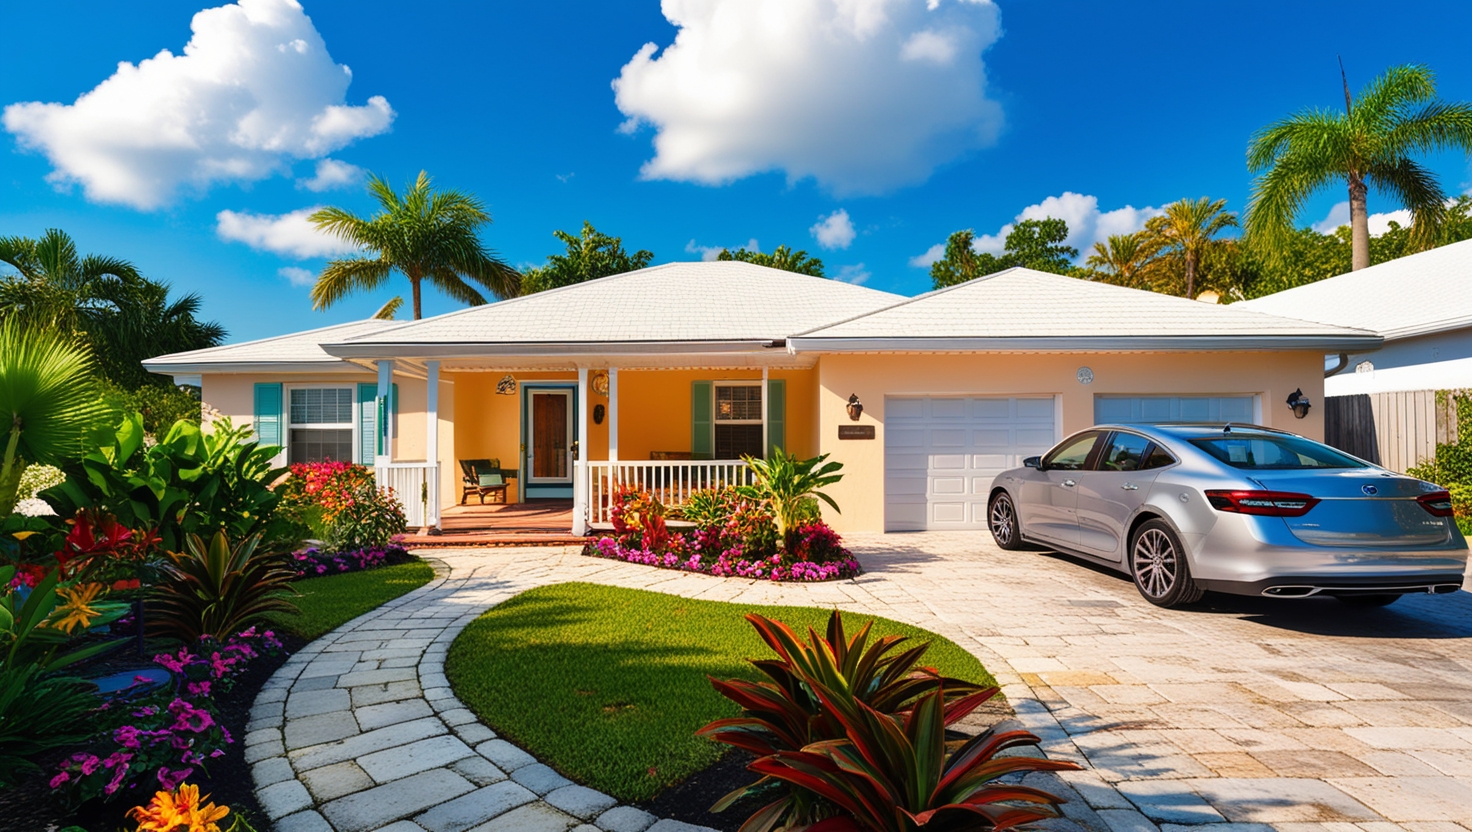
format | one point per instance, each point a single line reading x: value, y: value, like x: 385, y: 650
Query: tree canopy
x: 1032, y: 244
x: 424, y: 235
x: 590, y: 255
x: 782, y: 257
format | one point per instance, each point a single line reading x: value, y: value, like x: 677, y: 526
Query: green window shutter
x: 367, y: 423
x: 776, y: 415
x: 268, y: 414
x: 702, y: 420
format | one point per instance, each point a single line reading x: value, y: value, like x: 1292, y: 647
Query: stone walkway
x: 1245, y: 715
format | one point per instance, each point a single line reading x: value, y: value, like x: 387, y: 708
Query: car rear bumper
x: 1306, y: 586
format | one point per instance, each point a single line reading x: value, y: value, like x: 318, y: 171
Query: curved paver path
x: 1245, y: 715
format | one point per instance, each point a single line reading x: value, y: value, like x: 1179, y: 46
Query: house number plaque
x: 855, y: 431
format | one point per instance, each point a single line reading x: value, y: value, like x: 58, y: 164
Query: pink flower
x: 59, y: 779
x: 170, y: 780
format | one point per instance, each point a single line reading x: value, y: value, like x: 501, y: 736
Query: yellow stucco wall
x: 861, y: 493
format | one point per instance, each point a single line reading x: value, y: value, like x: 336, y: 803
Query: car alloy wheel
x: 1158, y: 565
x: 1002, y: 520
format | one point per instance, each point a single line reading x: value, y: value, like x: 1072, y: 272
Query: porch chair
x: 481, y: 477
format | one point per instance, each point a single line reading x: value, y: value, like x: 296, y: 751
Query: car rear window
x: 1283, y: 453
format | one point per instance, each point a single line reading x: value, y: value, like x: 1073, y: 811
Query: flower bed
x: 312, y: 563
x: 734, y: 536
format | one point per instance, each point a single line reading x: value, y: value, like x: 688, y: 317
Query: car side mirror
x: 1033, y: 462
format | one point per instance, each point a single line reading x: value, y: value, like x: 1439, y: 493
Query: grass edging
x: 608, y: 685
x: 328, y: 602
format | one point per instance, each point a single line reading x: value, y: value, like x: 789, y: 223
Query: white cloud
x: 298, y: 276
x: 834, y: 231
x: 1379, y: 223
x: 855, y: 274
x: 290, y: 234
x: 253, y: 90
x: 709, y: 253
x: 332, y: 174
x: 861, y: 95
x: 1086, y: 225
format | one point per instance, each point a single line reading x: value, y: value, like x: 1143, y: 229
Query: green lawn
x: 609, y: 685
x: 333, y: 600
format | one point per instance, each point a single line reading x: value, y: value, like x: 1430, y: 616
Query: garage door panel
x: 942, y: 453
x: 1129, y: 409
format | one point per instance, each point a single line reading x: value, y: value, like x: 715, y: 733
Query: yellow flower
x: 76, y: 609
x: 181, y: 811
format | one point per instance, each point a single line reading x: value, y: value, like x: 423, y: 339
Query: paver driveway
x: 1295, y: 714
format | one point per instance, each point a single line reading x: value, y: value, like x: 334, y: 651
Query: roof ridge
x: 296, y: 334
x: 905, y: 301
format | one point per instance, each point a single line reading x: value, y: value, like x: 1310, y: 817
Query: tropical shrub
x: 343, y: 504
x: 41, y: 618
x: 46, y: 402
x: 851, y: 736
x: 219, y: 588
x: 38, y: 713
x: 788, y: 485
x: 160, y: 405
x: 192, y: 482
x: 638, y: 520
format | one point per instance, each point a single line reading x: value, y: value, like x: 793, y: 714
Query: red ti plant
x: 97, y: 541
x: 787, y: 714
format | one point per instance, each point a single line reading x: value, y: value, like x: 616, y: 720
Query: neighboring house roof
x: 685, y: 307
x: 285, y: 353
x: 1413, y: 295
x: 1023, y: 309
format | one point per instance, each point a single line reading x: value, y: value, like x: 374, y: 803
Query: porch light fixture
x: 506, y: 386
x: 599, y: 383
x: 1299, y: 403
x: 854, y: 407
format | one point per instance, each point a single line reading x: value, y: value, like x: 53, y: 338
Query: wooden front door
x: 549, y: 443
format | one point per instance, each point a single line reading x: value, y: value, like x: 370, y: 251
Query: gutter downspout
x: 1338, y: 368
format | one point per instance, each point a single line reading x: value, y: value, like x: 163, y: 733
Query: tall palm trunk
x: 1190, y: 274
x: 1359, y: 223
x: 418, y: 311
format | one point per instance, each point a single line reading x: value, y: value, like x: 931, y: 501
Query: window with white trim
x: 319, y: 424
x: 738, y: 421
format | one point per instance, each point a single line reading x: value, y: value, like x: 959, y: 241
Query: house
x: 1420, y: 304
x: 666, y: 376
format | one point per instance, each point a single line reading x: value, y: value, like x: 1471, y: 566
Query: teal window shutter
x: 702, y: 420
x: 776, y: 415
x: 268, y: 413
x: 367, y: 423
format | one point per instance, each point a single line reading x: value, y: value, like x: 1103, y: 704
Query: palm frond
x: 1416, y: 188
x: 448, y: 281
x: 387, y: 311
x: 346, y: 276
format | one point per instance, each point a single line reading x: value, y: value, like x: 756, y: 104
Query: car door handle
x: 1069, y: 483
x: 1129, y: 486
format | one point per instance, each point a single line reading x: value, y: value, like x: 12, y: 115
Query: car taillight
x: 1438, y: 503
x: 1267, y: 503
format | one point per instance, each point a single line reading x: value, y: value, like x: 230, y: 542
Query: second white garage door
x: 941, y: 453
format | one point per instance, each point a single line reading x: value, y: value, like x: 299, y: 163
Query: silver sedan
x: 1186, y: 508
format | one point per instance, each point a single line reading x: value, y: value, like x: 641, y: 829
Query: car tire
x: 1157, y: 562
x: 1001, y: 519
x: 1365, y: 601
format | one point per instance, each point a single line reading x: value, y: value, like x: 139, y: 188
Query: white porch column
x: 766, y: 409
x: 580, y: 467
x: 613, y: 414
x: 383, y: 422
x: 432, y: 440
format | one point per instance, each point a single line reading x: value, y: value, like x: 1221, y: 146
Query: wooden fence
x: 1396, y: 430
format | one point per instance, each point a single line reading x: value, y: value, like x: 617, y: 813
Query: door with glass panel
x: 549, y: 441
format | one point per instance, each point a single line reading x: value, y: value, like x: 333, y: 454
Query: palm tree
x: 1370, y: 143
x: 1124, y: 258
x: 55, y: 284
x: 1186, y: 230
x: 782, y: 257
x: 47, y: 406
x: 423, y: 234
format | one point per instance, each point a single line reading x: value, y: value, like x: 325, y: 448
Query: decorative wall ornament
x: 854, y: 407
x: 506, y: 386
x: 599, y: 382
x: 1084, y: 375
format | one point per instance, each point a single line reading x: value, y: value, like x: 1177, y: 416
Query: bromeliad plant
x: 833, y: 699
x: 790, y: 485
x: 219, y: 588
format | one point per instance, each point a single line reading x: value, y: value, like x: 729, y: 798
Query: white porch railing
x: 669, y: 481
x: 416, y: 486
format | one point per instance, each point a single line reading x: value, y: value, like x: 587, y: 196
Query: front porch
x: 534, y: 523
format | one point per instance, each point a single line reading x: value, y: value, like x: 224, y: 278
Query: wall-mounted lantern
x: 1299, y: 403
x: 854, y: 407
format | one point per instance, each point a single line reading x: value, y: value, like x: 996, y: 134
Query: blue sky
x: 913, y: 118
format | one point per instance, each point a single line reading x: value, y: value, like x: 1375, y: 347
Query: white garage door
x: 1128, y: 409
x: 941, y: 453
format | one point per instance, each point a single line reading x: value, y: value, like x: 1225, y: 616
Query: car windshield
x: 1282, y: 452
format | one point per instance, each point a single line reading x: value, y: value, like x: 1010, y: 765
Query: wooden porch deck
x: 533, y: 523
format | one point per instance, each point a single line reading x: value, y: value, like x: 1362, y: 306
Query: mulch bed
x: 32, y: 805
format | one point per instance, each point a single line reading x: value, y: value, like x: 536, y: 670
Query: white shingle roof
x: 673, y: 303
x: 1413, y: 295
x: 297, y: 348
x: 1022, y: 308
